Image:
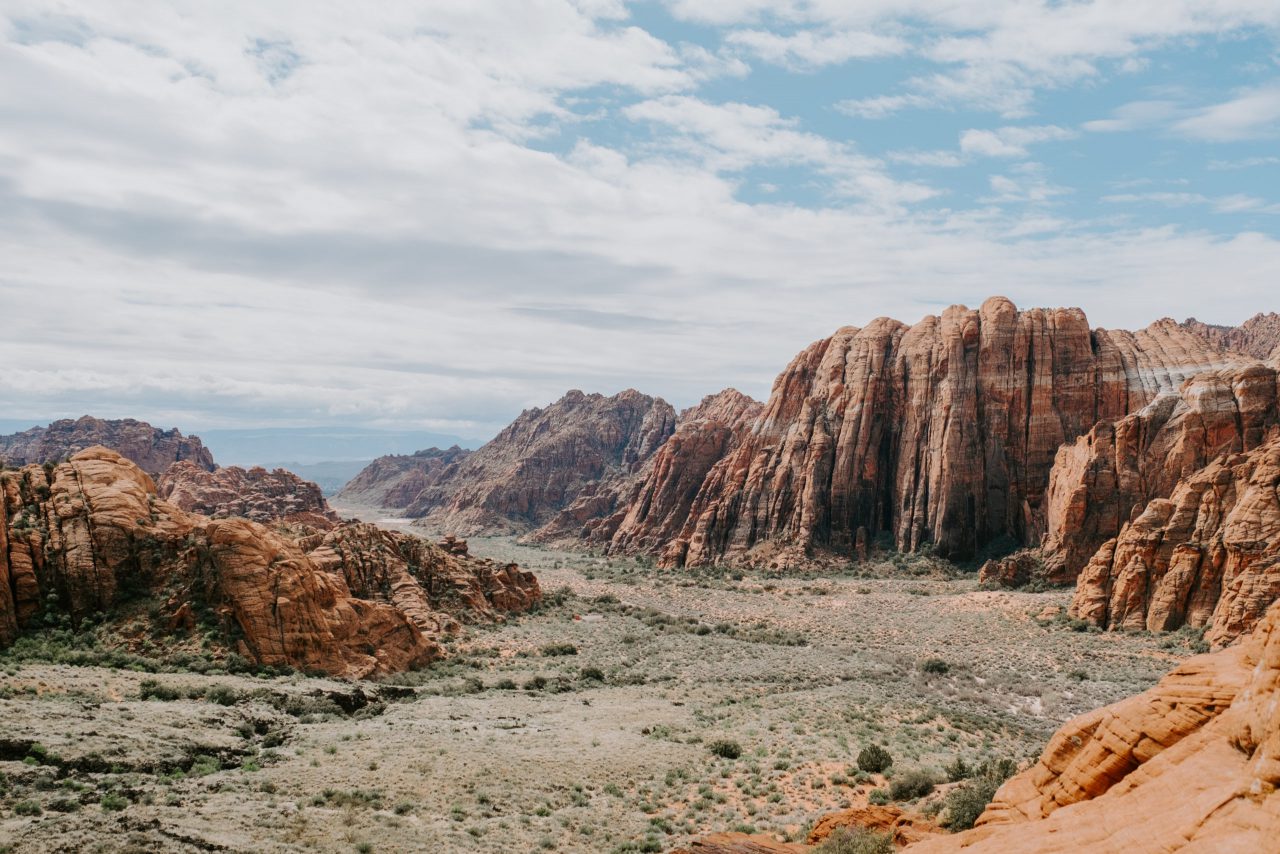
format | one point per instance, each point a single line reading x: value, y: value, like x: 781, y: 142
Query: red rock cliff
x: 943, y: 432
x: 90, y: 536
x: 256, y: 494
x: 153, y: 449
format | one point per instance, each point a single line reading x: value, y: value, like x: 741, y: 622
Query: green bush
x: 725, y: 749
x: 958, y: 770
x: 594, y: 674
x: 555, y: 649
x: 965, y: 803
x: 27, y: 808
x: 856, y: 840
x: 912, y: 784
x: 874, y: 759
x: 223, y: 695
x: 878, y: 797
x: 113, y: 802
x: 935, y: 665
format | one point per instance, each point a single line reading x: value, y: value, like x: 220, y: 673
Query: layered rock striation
x: 1206, y: 556
x: 1106, y: 477
x: 90, y: 539
x: 944, y: 432
x: 1259, y: 336
x: 151, y: 448
x: 255, y: 494
x: 1193, y: 764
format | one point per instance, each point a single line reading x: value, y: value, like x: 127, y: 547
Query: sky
x: 432, y: 215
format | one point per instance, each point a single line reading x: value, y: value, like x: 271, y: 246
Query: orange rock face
x: 540, y: 463
x: 153, y: 449
x: 1259, y: 336
x: 943, y: 432
x: 90, y: 536
x: 1193, y: 764
x: 256, y: 494
x: 1209, y: 555
x: 1106, y: 476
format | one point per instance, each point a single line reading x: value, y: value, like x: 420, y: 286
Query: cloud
x: 809, y: 49
x: 732, y: 137
x: 1009, y: 141
x: 1134, y: 115
x: 299, y: 213
x: 1252, y: 114
x: 1231, y: 203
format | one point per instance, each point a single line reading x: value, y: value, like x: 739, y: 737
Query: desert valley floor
x: 586, y: 726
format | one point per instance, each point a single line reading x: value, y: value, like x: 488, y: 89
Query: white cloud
x: 808, y: 48
x: 1135, y: 115
x: 1251, y: 114
x: 1231, y: 203
x: 1009, y: 141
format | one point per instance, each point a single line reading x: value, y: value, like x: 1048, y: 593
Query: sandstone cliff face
x: 1107, y: 476
x: 90, y: 536
x: 542, y: 461
x: 1193, y: 764
x: 397, y: 480
x: 643, y: 511
x: 1209, y: 555
x: 153, y: 449
x: 944, y: 432
x: 1259, y: 336
x: 256, y: 494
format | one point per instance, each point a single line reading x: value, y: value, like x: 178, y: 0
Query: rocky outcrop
x: 943, y: 432
x: 256, y: 494
x: 1193, y: 764
x: 542, y: 461
x: 643, y: 511
x: 90, y: 538
x: 1259, y: 336
x: 1206, y: 556
x: 1106, y: 477
x: 153, y: 449
x: 397, y: 480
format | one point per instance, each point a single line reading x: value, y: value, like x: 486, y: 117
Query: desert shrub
x: 873, y: 759
x: 965, y: 803
x: 555, y: 649
x: 856, y: 840
x: 537, y: 683
x: 725, y: 749
x: 594, y: 674
x: 935, y: 665
x: 223, y: 695
x: 113, y: 802
x: 958, y: 770
x: 150, y: 689
x: 912, y: 784
x: 27, y: 808
x: 878, y: 797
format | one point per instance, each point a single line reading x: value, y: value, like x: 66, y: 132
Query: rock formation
x: 943, y: 432
x: 153, y: 449
x: 1207, y: 556
x: 539, y: 463
x: 1259, y: 336
x: 1107, y: 476
x: 90, y: 537
x: 1193, y: 764
x: 256, y: 494
x: 395, y: 481
x: 642, y: 511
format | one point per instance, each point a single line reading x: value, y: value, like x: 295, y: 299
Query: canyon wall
x: 153, y: 449
x: 255, y: 494
x: 90, y: 540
